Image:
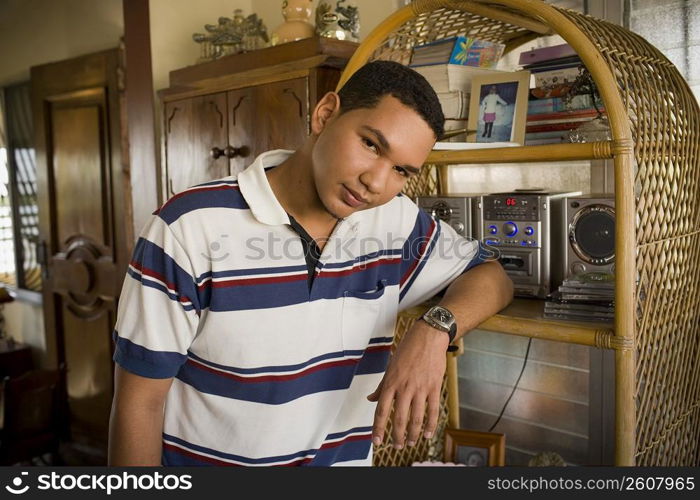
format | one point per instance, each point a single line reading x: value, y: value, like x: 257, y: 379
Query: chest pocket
x: 364, y: 316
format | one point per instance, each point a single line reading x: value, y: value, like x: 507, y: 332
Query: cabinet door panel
x: 194, y: 126
x: 268, y: 116
x: 242, y: 127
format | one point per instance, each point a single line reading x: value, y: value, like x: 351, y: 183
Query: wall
x: 40, y: 31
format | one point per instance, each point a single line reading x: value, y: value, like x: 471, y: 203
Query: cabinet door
x: 268, y: 116
x: 194, y: 127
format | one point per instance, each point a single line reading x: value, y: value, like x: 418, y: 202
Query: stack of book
x: 555, y: 107
x: 449, y: 65
x: 584, y: 297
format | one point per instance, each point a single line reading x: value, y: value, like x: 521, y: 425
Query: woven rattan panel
x: 665, y: 123
x: 425, y: 449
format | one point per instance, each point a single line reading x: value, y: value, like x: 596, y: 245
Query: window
x: 673, y: 27
x: 19, y: 218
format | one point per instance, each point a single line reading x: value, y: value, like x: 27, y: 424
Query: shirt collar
x: 262, y: 201
x: 257, y: 192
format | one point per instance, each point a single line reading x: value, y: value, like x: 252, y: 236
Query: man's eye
x: 401, y: 171
x: 370, y: 145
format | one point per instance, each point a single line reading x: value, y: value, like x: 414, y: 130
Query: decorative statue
x: 231, y: 36
x: 342, y: 24
x: 296, y: 25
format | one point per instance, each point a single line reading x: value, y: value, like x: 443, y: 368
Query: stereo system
x: 590, y: 235
x: 540, y: 238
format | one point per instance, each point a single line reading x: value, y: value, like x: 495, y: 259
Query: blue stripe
x: 373, y: 362
x: 153, y: 258
x: 188, y: 201
x: 157, y: 286
x: 269, y: 392
x: 426, y: 256
x: 352, y: 450
x: 214, y: 183
x: 145, y: 362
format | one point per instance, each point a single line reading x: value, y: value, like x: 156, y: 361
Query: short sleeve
x: 158, y: 312
x: 433, y: 256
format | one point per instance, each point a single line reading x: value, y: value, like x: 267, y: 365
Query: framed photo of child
x: 498, y: 107
x: 475, y: 448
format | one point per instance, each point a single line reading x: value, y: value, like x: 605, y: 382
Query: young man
x: 257, y: 316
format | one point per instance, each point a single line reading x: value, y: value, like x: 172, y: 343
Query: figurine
x: 296, y: 25
x: 231, y: 36
x: 343, y: 24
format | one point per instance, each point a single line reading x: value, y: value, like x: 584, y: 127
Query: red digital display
x: 511, y: 202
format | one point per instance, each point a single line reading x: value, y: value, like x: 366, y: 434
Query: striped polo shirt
x: 268, y: 371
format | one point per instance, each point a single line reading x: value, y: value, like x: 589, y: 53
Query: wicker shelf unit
x: 655, y: 149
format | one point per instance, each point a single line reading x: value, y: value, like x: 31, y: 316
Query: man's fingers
x: 381, y: 416
x: 416, y: 420
x: 431, y: 418
x: 402, y: 410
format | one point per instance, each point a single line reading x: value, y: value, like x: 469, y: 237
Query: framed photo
x: 498, y: 107
x: 475, y: 448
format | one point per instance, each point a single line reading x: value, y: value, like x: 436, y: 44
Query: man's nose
x: 376, y: 176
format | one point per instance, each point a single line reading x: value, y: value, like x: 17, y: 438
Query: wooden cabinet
x: 218, y: 116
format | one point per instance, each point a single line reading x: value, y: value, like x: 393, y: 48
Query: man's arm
x: 136, y: 421
x: 415, y: 372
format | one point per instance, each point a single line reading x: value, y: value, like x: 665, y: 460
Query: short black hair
x: 374, y: 80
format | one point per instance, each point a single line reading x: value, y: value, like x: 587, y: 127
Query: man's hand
x: 414, y: 380
x: 415, y: 372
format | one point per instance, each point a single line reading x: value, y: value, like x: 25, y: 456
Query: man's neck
x: 293, y: 184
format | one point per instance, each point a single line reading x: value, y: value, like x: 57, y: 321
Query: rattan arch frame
x: 655, y: 125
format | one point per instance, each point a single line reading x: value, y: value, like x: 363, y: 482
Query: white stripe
x: 225, y: 279
x: 238, y: 462
x: 361, y: 264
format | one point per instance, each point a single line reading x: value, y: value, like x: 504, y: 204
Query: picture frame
x: 475, y: 448
x: 499, y: 99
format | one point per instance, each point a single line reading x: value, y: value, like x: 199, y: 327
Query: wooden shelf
x: 525, y: 317
x: 550, y: 152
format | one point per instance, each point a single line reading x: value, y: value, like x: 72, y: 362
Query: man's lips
x: 352, y: 198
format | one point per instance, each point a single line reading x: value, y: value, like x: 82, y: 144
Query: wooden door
x: 84, y: 221
x: 267, y: 116
x: 196, y: 141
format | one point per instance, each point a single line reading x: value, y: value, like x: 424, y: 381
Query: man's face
x: 362, y: 158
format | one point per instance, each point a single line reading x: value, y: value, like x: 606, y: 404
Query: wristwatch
x: 442, y: 319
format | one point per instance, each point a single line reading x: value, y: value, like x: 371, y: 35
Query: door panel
x: 84, y: 220
x: 77, y: 156
x: 242, y: 128
x: 281, y: 114
x: 194, y: 127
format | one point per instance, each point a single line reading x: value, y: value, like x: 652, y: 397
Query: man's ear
x: 326, y: 109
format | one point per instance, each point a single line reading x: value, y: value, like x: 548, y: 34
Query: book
x: 546, y: 53
x: 451, y: 146
x: 556, y: 76
x: 546, y: 127
x: 567, y: 62
x: 459, y: 50
x: 561, y: 115
x: 542, y: 142
x: 451, y: 77
x: 557, y: 104
x: 454, y: 103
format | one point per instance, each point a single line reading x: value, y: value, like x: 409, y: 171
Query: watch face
x: 443, y: 316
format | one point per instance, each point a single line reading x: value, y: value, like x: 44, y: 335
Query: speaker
x: 590, y: 234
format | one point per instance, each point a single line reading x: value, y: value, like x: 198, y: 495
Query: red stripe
x: 359, y: 437
x: 422, y: 252
x: 198, y: 190
x: 378, y: 348
x: 360, y: 267
x: 159, y: 277
x: 275, y: 378
x: 215, y: 461
x: 253, y: 281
